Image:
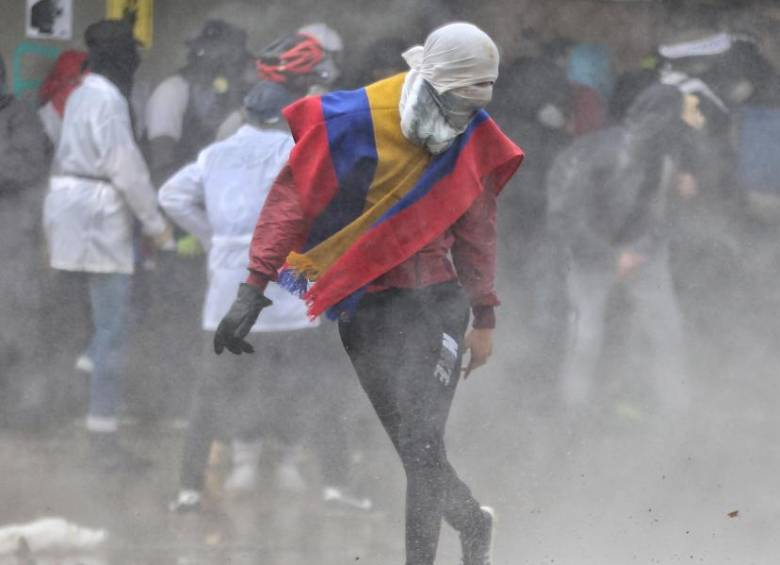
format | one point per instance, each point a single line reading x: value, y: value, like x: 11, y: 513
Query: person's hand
x: 164, y: 240
x: 687, y: 187
x: 188, y: 246
x: 628, y: 262
x: 479, y: 344
x: 239, y: 320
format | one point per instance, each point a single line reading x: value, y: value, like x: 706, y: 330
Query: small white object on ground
x: 50, y: 534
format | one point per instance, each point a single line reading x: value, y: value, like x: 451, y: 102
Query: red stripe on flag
x: 389, y: 244
x: 310, y: 161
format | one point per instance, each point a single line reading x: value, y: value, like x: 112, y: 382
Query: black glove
x: 239, y: 320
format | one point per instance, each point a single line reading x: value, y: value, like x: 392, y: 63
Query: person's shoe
x: 85, y: 364
x: 478, y: 540
x: 343, y: 497
x: 186, y: 501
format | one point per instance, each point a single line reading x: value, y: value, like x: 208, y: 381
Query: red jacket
x: 470, y: 242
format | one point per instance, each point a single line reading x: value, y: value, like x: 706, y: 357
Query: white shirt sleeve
x: 166, y: 107
x: 125, y: 167
x: 183, y: 199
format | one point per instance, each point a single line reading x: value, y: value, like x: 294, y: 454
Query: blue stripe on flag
x: 351, y: 136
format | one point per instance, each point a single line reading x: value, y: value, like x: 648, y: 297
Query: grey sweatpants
x: 655, y: 311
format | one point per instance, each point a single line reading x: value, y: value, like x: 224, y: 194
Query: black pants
x: 246, y: 397
x: 406, y: 347
x: 285, y: 391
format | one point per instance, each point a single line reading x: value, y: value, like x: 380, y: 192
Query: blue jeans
x: 108, y: 295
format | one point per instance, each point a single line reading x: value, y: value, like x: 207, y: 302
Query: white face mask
x: 422, y: 120
x: 459, y: 105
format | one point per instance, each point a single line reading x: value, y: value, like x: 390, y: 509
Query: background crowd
x: 619, y: 270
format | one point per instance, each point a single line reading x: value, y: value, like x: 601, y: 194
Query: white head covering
x: 455, y: 59
x: 328, y: 37
x: 455, y: 55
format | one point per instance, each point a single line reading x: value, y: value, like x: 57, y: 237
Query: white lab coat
x: 99, y: 182
x: 218, y: 199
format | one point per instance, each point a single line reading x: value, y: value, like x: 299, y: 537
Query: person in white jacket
x: 217, y: 199
x: 99, y: 184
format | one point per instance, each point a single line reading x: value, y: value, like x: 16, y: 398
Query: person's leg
x: 270, y: 406
x: 329, y: 429
x: 210, y: 399
x: 658, y: 315
x: 211, y: 417
x: 429, y: 376
x: 108, y: 295
x: 588, y: 292
x: 408, y: 365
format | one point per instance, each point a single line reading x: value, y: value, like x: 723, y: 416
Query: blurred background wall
x: 631, y: 27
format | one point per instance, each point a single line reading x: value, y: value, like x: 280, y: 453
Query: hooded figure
x: 534, y: 105
x: 451, y: 77
x: 609, y: 194
x: 99, y: 186
x: 388, y: 202
x: 113, y: 53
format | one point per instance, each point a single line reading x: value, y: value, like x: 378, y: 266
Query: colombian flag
x: 372, y: 198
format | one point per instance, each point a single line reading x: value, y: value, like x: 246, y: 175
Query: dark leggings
x: 275, y: 392
x: 406, y: 346
x: 246, y: 397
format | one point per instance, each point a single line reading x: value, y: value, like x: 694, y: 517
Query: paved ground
x: 619, y: 484
x: 614, y: 486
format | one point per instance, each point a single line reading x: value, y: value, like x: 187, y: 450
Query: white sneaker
x: 342, y: 496
x: 85, y: 364
x: 186, y: 501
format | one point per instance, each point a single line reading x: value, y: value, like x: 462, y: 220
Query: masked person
x: 24, y: 162
x: 609, y: 199
x: 534, y: 104
x: 99, y: 183
x: 186, y: 109
x: 382, y: 185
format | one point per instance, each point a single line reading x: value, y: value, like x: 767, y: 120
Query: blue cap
x: 266, y: 100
